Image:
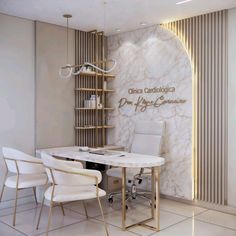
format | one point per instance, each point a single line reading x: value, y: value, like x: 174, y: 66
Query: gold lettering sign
x: 152, y: 90
x: 141, y: 104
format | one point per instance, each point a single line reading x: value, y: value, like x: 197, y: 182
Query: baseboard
x: 177, y: 199
x: 210, y: 206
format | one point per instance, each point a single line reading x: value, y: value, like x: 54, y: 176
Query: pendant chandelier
x: 65, y: 72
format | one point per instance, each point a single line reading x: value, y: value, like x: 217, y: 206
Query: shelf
x: 93, y: 74
x: 87, y: 127
x: 108, y: 126
x: 85, y: 108
x: 94, y: 127
x: 94, y: 90
x: 108, y: 90
x: 85, y: 89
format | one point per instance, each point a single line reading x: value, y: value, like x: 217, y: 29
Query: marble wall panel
x: 154, y: 58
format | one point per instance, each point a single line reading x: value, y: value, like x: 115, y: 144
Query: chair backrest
x: 148, y: 138
x: 60, y: 173
x: 22, y: 163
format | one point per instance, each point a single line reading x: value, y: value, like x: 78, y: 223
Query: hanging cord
x: 67, y: 40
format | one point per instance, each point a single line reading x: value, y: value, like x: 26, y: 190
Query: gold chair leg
x: 40, y: 213
x: 157, y: 188
x: 35, y: 196
x: 2, y: 192
x: 62, y: 209
x: 85, y: 209
x: 49, y: 218
x: 153, y: 193
x: 123, y: 198
x: 3, y: 187
x: 42, y: 204
x: 105, y: 225
x: 14, y: 216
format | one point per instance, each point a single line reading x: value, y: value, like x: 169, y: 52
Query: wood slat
x: 205, y: 39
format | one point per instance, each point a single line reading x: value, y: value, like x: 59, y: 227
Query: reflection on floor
x: 177, y: 219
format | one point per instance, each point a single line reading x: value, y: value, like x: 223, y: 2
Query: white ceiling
x: 123, y: 14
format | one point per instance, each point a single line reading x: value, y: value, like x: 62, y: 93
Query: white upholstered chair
x: 70, y: 182
x: 28, y: 172
x: 148, y: 139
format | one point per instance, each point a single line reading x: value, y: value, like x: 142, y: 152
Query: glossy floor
x: 177, y: 219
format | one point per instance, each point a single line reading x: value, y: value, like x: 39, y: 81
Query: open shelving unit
x: 91, y: 125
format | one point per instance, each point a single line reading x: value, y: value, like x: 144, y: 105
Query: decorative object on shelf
x: 100, y: 106
x: 70, y: 70
x: 93, y: 102
x: 105, y: 85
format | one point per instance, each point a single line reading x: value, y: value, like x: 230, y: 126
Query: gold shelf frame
x: 90, y: 123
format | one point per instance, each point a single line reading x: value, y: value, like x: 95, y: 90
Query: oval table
x: 123, y: 160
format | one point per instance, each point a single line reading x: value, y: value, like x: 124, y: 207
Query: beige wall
x: 54, y: 96
x: 232, y: 109
x: 17, y: 91
x: 49, y: 100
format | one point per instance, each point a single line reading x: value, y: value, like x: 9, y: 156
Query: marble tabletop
x: 117, y: 158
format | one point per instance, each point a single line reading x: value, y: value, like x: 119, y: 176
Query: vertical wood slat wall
x: 89, y: 47
x: 205, y: 39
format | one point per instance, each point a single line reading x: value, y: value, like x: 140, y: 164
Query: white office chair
x: 70, y: 182
x: 148, y: 139
x: 29, y: 171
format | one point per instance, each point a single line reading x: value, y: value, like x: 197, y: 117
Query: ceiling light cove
x: 151, y: 12
x: 182, y: 2
x: 143, y: 23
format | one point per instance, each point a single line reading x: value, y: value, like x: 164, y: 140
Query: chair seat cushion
x: 130, y: 172
x: 73, y: 193
x: 26, y: 181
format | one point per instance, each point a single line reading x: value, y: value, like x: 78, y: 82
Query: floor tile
x: 26, y: 221
x: 193, y: 227
x: 166, y: 219
x: 141, y: 213
x: 175, y: 207
x: 180, y: 208
x: 218, y: 218
x: 20, y: 208
x: 92, y: 207
x: 89, y: 228
x: 5, y: 230
x: 174, y: 220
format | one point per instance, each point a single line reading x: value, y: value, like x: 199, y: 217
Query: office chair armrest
x: 140, y: 175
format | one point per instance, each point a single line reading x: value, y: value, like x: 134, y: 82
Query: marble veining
x: 148, y: 58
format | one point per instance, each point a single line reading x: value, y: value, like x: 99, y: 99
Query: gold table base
x: 155, y: 202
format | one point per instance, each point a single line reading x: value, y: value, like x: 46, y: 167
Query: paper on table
x: 107, y: 153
